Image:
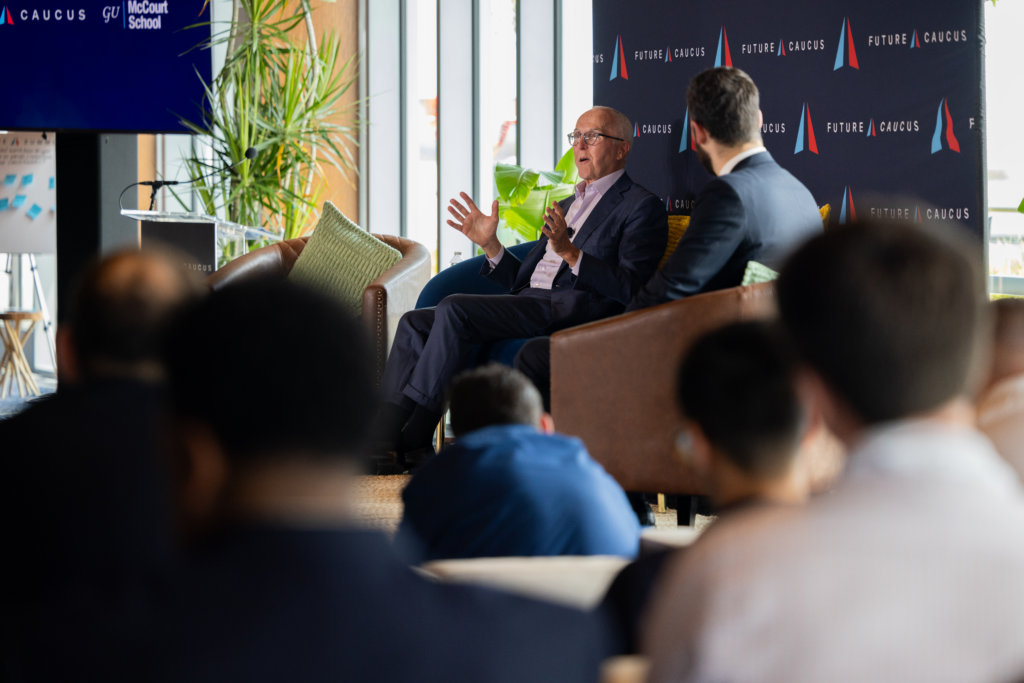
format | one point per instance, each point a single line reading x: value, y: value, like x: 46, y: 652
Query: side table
x: 14, y: 367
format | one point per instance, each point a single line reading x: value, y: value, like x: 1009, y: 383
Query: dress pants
x: 432, y: 344
x: 534, y: 361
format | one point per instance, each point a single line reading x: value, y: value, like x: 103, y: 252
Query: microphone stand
x: 157, y: 185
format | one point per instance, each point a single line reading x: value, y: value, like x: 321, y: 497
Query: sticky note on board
x: 19, y: 201
x: 10, y: 179
x: 27, y: 179
x: 53, y: 208
x: 3, y: 204
x: 53, y: 182
x: 34, y: 212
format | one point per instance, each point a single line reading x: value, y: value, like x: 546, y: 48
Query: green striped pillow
x: 341, y: 259
x: 757, y: 273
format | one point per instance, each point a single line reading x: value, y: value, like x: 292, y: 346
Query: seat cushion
x: 341, y: 259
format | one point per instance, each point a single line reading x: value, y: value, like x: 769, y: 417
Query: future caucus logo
x: 805, y: 131
x: 782, y: 50
x: 951, y: 141
x: 846, y: 48
x: 844, y: 216
x: 5, y: 17
x: 619, y: 61
x: 915, y: 43
x: 686, y: 141
x: 723, y: 41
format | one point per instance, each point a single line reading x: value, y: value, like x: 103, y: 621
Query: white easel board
x: 28, y: 193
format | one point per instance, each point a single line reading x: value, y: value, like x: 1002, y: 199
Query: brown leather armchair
x: 385, y: 299
x: 613, y: 384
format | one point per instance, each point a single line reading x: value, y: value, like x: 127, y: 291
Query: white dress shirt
x: 911, y: 570
x: 731, y: 164
x: 1001, y: 418
x: 587, y: 197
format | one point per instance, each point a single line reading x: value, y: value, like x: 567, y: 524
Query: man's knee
x: 453, y: 309
x: 419, y: 320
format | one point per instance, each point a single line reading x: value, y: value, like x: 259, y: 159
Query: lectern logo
x: 843, y: 215
x: 723, y: 40
x: 846, y: 48
x: 951, y: 141
x: 5, y: 17
x: 812, y: 145
x: 619, y: 61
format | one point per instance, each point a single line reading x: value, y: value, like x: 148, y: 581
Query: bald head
x: 119, y: 311
x: 1008, y: 346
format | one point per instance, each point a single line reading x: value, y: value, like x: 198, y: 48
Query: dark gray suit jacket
x: 623, y: 240
x: 758, y: 212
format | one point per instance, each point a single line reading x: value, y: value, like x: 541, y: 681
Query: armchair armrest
x: 613, y: 383
x: 390, y: 296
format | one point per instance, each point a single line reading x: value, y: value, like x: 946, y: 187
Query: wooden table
x: 14, y: 368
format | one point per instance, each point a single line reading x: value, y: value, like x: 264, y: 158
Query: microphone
x: 250, y: 154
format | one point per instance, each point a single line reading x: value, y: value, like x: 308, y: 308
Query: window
x: 421, y: 125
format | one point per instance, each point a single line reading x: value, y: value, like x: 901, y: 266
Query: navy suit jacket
x: 758, y: 212
x: 623, y: 240
x: 273, y: 603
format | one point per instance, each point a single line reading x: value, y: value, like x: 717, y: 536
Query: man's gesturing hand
x: 481, y: 229
x: 558, y: 234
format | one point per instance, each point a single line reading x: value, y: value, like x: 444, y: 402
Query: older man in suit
x: 598, y: 249
x: 752, y: 210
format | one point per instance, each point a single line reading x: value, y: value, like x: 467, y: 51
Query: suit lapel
x: 604, y: 207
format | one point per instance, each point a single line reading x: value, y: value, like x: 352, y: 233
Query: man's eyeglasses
x: 590, y: 137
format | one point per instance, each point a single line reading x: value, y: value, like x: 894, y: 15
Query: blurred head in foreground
x: 891, y: 320
x: 271, y: 388
x: 495, y: 394
x: 745, y: 417
x: 119, y: 311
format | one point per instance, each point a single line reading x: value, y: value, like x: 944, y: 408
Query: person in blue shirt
x: 511, y: 486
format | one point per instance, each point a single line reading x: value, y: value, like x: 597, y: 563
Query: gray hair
x: 622, y: 127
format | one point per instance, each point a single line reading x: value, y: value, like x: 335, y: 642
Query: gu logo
x: 812, y: 144
x: 723, y: 39
x: 951, y: 140
x: 847, y: 196
x: 687, y: 138
x: 5, y: 17
x: 846, y: 46
x: 619, y: 62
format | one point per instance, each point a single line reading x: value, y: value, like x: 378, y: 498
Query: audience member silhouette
x: 84, y: 510
x: 278, y: 584
x: 745, y: 423
x: 1000, y: 407
x: 912, y: 568
x: 510, y: 486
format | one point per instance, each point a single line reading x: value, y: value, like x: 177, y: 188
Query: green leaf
x: 1021, y: 207
x: 514, y: 183
x: 567, y: 164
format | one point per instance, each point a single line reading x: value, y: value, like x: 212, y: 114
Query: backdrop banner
x: 876, y: 106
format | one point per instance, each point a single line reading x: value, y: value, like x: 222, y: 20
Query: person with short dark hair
x: 279, y: 584
x: 752, y: 209
x: 912, y: 568
x: 84, y: 507
x: 745, y: 424
x: 511, y: 486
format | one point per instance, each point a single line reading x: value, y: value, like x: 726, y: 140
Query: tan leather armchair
x: 385, y: 300
x: 613, y: 384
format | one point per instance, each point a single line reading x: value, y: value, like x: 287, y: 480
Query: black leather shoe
x: 414, y: 458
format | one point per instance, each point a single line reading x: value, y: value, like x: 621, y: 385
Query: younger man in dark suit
x: 280, y: 585
x: 511, y: 487
x: 753, y: 210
